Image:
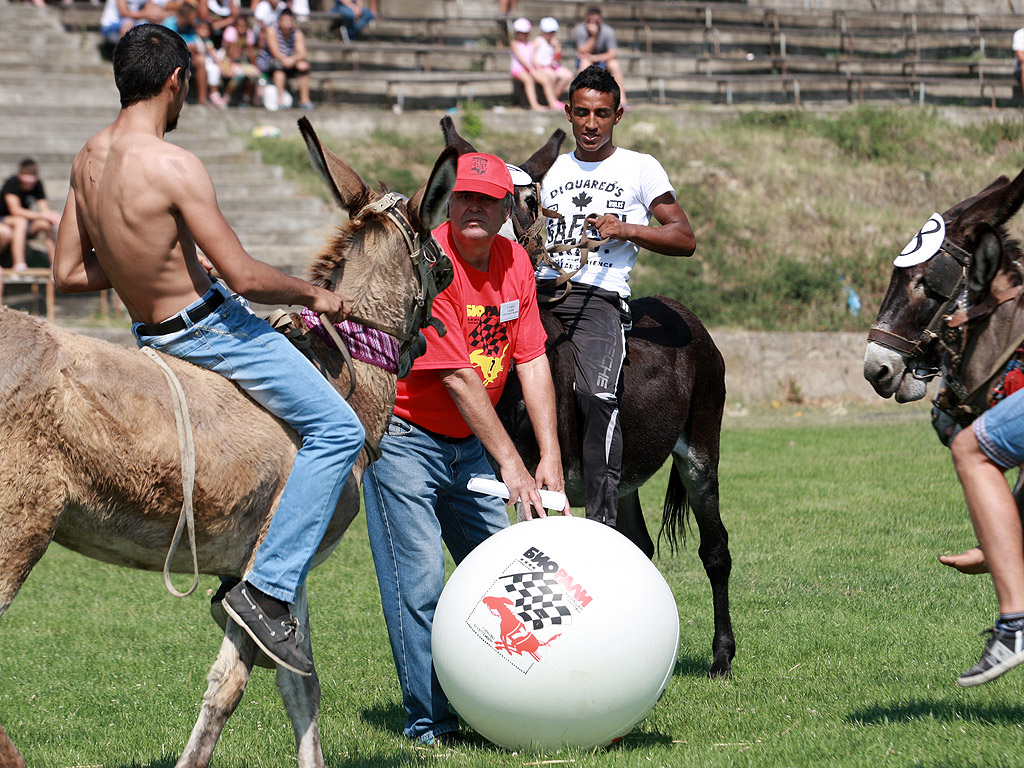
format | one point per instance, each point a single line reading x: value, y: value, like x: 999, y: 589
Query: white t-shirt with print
x: 623, y: 185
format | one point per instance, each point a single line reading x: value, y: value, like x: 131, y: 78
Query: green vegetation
x: 849, y: 634
x: 789, y: 207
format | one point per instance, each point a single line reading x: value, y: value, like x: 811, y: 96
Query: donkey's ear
x: 428, y: 207
x: 346, y: 186
x: 995, y: 205
x: 540, y: 162
x: 988, y: 256
x: 452, y: 137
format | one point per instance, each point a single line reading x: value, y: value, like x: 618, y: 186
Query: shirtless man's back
x: 137, y: 210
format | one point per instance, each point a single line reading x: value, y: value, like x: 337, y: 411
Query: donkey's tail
x: 675, y: 513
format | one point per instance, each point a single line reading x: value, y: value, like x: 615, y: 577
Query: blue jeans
x: 1000, y: 431
x: 348, y: 18
x: 415, y: 496
x: 235, y: 343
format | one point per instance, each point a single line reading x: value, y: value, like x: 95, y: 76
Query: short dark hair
x: 143, y: 60
x: 593, y: 11
x: 596, y: 78
x: 28, y: 165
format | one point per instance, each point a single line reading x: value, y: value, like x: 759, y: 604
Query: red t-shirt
x: 492, y: 320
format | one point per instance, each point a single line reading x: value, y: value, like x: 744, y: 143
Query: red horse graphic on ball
x: 515, y: 637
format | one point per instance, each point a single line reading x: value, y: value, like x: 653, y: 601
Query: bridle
x: 433, y: 272
x: 954, y: 399
x: 534, y: 240
x: 946, y: 276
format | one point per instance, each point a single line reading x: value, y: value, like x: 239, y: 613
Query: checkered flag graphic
x: 538, y: 599
x: 489, y: 334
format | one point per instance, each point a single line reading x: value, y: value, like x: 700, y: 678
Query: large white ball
x: 555, y: 632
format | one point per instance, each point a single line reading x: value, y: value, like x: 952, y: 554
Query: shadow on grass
x: 919, y: 709
x: 391, y: 720
x: 370, y: 761
x: 691, y: 666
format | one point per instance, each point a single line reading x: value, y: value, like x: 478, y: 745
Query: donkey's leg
x: 631, y: 524
x: 28, y: 519
x: 697, y: 465
x: 29, y: 513
x: 10, y: 757
x: 228, y: 678
x: 302, y: 696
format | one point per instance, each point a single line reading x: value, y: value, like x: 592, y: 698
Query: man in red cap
x: 443, y: 422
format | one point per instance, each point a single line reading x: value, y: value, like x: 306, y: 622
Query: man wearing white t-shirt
x: 603, y: 191
x: 1018, y: 56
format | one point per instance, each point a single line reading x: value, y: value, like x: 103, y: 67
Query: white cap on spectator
x: 549, y: 24
x: 522, y: 25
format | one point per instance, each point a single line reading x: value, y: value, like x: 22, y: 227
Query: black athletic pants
x: 595, y: 320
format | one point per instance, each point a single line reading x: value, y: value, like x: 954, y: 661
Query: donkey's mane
x: 353, y: 246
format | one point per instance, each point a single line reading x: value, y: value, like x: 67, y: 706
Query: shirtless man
x: 137, y: 211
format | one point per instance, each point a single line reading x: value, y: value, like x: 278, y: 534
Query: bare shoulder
x: 166, y: 166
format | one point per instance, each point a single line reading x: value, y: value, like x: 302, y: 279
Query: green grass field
x: 849, y: 634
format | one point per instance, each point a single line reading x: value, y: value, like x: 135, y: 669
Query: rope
x: 188, y: 475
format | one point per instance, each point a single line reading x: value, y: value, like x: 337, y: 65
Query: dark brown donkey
x: 922, y: 330
x: 958, y: 313
x: 672, y: 402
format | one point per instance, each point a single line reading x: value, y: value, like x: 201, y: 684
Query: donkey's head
x: 527, y: 220
x: 385, y: 262
x: 929, y: 278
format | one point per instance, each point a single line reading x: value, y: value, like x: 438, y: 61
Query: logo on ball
x: 527, y: 608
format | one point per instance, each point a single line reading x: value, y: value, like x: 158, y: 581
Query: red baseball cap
x: 483, y: 173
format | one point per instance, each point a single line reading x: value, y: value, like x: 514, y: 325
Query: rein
x: 946, y: 276
x: 534, y: 240
x: 424, y: 257
x: 186, y: 444
x: 954, y: 399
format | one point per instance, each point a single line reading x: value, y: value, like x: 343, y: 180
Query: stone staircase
x: 56, y: 91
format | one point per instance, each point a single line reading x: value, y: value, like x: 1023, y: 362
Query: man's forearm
x: 539, y: 397
x: 470, y: 397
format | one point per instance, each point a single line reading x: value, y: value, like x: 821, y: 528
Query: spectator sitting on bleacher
x: 521, y: 64
x: 214, y: 64
x: 239, y: 64
x: 1018, y: 59
x: 354, y: 16
x: 118, y: 17
x: 547, y: 62
x: 596, y: 44
x: 505, y: 8
x: 158, y: 11
x: 26, y: 213
x: 219, y: 16
x: 183, y: 21
x: 266, y: 13
x: 283, y: 55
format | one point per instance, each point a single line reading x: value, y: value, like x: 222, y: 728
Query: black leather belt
x: 177, y: 323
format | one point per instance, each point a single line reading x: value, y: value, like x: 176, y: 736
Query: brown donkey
x: 92, y: 455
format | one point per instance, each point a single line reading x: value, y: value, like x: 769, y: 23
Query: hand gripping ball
x: 555, y: 632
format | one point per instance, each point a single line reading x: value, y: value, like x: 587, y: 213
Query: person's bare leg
x: 616, y: 71
x: 546, y: 79
x: 304, y: 88
x: 531, y: 90
x: 199, y: 75
x: 994, y: 516
x: 45, y: 228
x: 19, y: 238
x: 280, y: 80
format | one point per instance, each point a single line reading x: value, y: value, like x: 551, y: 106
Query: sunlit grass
x: 849, y: 633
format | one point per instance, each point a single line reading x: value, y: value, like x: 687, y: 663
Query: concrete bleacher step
x: 274, y: 221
